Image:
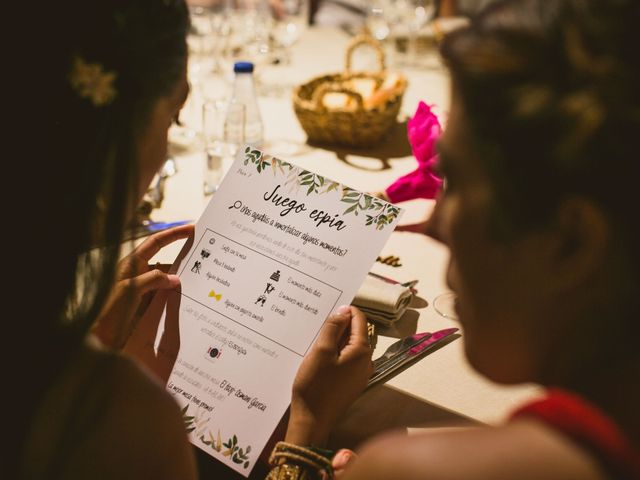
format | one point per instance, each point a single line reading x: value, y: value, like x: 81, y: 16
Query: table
x: 441, y: 388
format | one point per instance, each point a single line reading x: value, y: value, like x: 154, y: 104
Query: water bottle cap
x: 243, y: 67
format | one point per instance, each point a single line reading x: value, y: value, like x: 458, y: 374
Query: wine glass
x: 378, y: 19
x: 245, y: 36
x: 291, y: 19
x: 184, y: 134
x: 445, y: 305
x: 411, y: 16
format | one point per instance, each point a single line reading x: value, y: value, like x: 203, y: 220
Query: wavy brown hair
x: 551, y: 97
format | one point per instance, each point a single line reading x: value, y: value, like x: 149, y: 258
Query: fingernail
x: 344, y: 310
x: 341, y: 458
x: 174, y: 280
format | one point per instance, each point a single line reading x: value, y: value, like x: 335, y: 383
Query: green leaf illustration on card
x: 188, y: 420
x: 378, y: 212
x: 312, y: 181
x: 331, y: 186
x: 387, y: 213
x: 279, y: 166
x: 255, y: 157
x: 237, y: 454
x: 230, y: 448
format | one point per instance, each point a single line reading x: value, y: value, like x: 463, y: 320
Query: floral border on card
x: 197, y: 425
x: 376, y: 212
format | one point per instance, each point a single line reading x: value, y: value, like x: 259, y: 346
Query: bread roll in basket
x: 351, y: 109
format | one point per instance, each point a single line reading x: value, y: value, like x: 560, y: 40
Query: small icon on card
x: 213, y: 353
x: 275, y: 276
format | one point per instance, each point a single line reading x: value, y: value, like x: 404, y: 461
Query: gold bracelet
x: 292, y: 462
x: 287, y: 471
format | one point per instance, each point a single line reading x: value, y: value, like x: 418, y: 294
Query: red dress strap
x: 589, y: 427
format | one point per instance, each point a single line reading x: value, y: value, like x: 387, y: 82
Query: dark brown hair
x: 550, y: 91
x: 81, y: 167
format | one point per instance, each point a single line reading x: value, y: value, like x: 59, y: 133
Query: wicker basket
x: 362, y: 126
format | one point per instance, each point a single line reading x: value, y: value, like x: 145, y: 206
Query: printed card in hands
x: 277, y: 249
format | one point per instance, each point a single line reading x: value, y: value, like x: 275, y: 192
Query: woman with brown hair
x: 539, y: 212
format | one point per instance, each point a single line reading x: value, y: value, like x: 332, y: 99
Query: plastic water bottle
x: 244, y: 128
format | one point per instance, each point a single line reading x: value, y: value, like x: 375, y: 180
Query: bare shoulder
x: 103, y: 418
x: 144, y: 419
x: 524, y: 449
x: 107, y: 418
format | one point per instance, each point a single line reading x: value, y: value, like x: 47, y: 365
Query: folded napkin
x: 381, y: 301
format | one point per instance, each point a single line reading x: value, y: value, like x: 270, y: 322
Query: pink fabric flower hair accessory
x: 423, y: 130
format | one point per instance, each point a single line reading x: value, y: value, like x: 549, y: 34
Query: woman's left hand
x: 136, y: 283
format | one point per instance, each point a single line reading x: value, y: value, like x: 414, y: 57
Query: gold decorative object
x: 91, y: 81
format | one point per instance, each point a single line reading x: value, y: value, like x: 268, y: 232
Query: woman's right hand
x: 136, y: 283
x: 330, y: 378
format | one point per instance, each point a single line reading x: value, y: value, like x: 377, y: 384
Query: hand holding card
x: 316, y: 404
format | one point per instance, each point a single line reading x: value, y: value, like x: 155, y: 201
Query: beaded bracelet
x: 292, y: 462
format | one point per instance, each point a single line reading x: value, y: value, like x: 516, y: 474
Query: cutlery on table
x: 411, y: 284
x: 407, y: 350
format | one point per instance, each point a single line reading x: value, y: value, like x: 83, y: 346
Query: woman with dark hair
x: 539, y: 211
x: 110, y: 79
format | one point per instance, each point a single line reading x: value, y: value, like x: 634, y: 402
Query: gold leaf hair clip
x: 91, y: 81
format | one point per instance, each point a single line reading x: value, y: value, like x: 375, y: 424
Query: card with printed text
x: 277, y: 249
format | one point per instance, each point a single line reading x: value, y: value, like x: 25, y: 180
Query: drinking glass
x: 223, y: 125
x: 445, y: 305
x: 184, y: 135
x: 201, y: 42
x: 408, y: 18
x: 378, y: 19
x: 420, y: 12
x: 245, y: 36
x: 291, y: 19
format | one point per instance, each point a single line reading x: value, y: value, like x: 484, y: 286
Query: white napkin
x: 381, y: 301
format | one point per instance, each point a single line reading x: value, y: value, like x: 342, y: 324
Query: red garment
x: 588, y: 426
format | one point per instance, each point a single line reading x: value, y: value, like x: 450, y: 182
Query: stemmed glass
x: 420, y: 12
x: 423, y: 12
x: 291, y: 19
x: 244, y: 35
x: 378, y: 19
x: 288, y: 20
x: 201, y: 62
x: 201, y: 41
